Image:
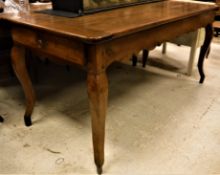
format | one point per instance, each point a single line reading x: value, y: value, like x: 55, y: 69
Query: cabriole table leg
x: 204, y: 49
x: 19, y: 66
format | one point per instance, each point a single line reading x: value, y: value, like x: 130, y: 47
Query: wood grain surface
x: 113, y: 23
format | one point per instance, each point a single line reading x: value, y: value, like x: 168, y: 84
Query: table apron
x: 58, y: 46
x: 122, y: 48
x: 115, y: 49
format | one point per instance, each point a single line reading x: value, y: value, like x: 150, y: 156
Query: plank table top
x: 113, y: 23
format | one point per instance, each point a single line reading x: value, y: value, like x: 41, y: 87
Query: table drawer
x: 54, y: 45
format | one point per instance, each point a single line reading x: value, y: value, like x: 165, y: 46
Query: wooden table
x: 95, y: 41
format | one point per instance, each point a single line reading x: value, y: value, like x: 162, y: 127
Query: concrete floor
x: 158, y: 122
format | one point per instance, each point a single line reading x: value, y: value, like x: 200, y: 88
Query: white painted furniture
x: 194, y: 40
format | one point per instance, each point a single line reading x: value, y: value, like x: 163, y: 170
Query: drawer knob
x: 40, y: 43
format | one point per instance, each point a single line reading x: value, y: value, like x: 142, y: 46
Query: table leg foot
x: 1, y: 119
x: 99, y: 170
x: 202, y: 78
x: 27, y: 120
x: 19, y: 66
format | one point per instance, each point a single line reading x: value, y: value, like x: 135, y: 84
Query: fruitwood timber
x: 95, y: 41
